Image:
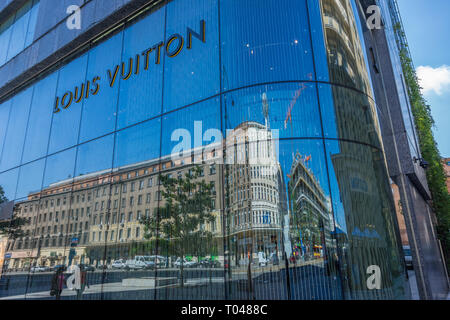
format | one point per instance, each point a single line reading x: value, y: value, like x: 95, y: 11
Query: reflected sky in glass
x: 95, y: 156
x: 30, y: 178
x: 138, y: 143
x: 41, y: 113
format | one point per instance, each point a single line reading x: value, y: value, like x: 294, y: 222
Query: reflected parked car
x: 208, y: 263
x: 118, y: 264
x: 186, y: 264
x: 38, y: 269
x: 408, y: 257
x: 87, y: 267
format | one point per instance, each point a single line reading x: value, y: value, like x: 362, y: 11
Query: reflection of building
x: 101, y: 212
x: 255, y: 191
x: 311, y: 221
x: 359, y: 169
x: 3, y: 243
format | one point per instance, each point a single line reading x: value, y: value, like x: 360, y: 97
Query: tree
x: 12, y: 228
x: 181, y: 220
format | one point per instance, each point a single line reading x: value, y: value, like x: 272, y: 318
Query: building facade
x: 270, y: 102
x: 406, y: 167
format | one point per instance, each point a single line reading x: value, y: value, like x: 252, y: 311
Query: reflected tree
x: 12, y: 228
x: 183, y: 217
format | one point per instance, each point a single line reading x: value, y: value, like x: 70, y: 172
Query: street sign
x: 8, y: 255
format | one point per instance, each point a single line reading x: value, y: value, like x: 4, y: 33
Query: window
x: 149, y: 182
x: 212, y: 169
x: 140, y: 199
x: 128, y: 233
x: 130, y: 216
x: 17, y: 32
x: 141, y: 184
x: 132, y: 187
x: 131, y: 201
x: 149, y: 198
x: 138, y: 231
x: 120, y: 233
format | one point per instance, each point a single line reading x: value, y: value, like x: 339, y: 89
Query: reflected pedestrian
x: 83, y: 282
x: 57, y: 283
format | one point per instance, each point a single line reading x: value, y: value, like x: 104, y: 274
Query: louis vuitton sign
x: 133, y: 66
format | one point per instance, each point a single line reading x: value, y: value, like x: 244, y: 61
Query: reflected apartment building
x: 101, y: 212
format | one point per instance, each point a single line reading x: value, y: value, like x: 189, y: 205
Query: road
x: 307, y: 282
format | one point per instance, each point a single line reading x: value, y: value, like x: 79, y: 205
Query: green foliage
x: 179, y: 223
x: 2, y: 195
x: 424, y: 124
x: 11, y: 228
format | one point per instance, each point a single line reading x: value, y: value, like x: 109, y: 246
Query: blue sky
x: 427, y: 26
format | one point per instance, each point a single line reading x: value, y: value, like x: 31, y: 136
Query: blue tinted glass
x: 253, y: 33
x: 140, y: 94
x: 8, y: 181
x: 363, y: 208
x: 30, y: 178
x: 59, y: 167
x: 318, y: 40
x: 308, y: 223
x: 17, y: 126
x: 193, y: 74
x: 66, y: 122
x: 4, y: 116
x: 5, y: 36
x: 195, y: 126
x: 36, y: 141
x: 95, y: 156
x: 32, y: 23
x: 99, y: 109
x: 19, y: 32
x: 348, y: 114
x: 138, y: 143
x: 290, y: 108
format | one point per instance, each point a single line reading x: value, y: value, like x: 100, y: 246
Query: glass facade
x: 17, y: 32
x: 231, y: 153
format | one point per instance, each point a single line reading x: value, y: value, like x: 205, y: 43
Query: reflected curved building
x: 240, y: 137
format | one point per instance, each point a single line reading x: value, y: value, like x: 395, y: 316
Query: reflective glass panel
x: 8, y: 181
x: 66, y: 121
x: 17, y: 126
x: 36, y: 141
x: 193, y: 74
x: 30, y: 179
x: 141, y: 84
x: 100, y: 107
x: 138, y: 144
x: 363, y: 206
x: 290, y: 110
x: 60, y: 167
x: 253, y: 33
x: 95, y: 156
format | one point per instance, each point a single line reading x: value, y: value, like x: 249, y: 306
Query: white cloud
x: 434, y: 79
